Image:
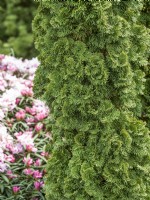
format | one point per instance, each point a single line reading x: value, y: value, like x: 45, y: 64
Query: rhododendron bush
x: 23, y: 135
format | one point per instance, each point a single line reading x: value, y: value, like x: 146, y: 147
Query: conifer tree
x: 145, y: 19
x: 91, y: 55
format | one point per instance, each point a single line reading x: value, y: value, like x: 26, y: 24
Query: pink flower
x: 28, y: 161
x: 38, y: 127
x: 32, y: 111
x: 40, y: 116
x: 3, y: 166
x: 27, y: 92
x: 30, y: 120
x: 18, y: 134
x: 37, y: 162
x: 45, y: 154
x: 18, y: 148
x: 28, y: 83
x: 10, y: 174
x: 10, y: 158
x: 9, y: 146
x: 26, y: 139
x: 11, y: 67
x: 27, y: 109
x: 31, y: 148
x: 20, y: 115
x: 38, y: 185
x: 28, y: 171
x: 37, y: 174
x: 17, y: 101
x: 16, y: 189
x: 2, y: 56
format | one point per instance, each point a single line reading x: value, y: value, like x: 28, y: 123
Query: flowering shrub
x: 23, y: 135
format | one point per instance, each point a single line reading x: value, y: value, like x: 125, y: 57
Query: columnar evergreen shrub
x: 15, y: 30
x: 145, y: 19
x: 91, y: 77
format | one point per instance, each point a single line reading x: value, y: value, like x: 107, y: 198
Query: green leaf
x: 5, y: 178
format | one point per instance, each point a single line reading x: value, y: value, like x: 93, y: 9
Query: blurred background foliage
x: 16, y: 27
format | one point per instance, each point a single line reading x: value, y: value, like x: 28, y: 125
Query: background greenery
x: 16, y: 27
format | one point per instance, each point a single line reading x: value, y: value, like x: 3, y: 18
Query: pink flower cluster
x: 23, y: 135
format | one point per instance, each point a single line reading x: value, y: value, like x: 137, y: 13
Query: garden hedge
x: 92, y: 58
x: 16, y: 30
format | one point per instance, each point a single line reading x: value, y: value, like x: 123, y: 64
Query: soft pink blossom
x: 28, y: 161
x: 12, y: 68
x: 28, y: 83
x: 38, y: 127
x: 37, y: 174
x: 31, y: 148
x: 38, y: 185
x: 40, y: 116
x: 17, y: 101
x: 10, y: 158
x: 26, y: 139
x: 27, y: 92
x: 27, y: 109
x: 16, y: 189
x: 18, y: 134
x: 28, y: 171
x: 45, y: 154
x: 20, y: 115
x: 2, y: 56
x: 37, y: 162
x: 32, y: 111
x: 17, y: 148
x: 30, y: 120
x: 10, y: 174
x: 3, y: 166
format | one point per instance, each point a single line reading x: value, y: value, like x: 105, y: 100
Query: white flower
x: 1, y: 115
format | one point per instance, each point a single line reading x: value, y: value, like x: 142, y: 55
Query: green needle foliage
x: 92, y: 56
x: 145, y: 18
x: 16, y: 30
